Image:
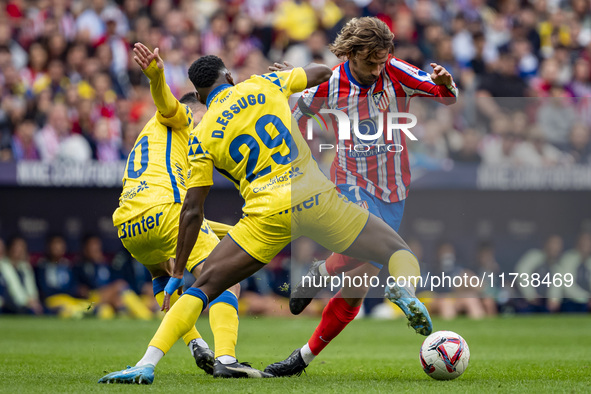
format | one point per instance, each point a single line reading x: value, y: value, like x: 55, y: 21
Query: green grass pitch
x: 515, y: 354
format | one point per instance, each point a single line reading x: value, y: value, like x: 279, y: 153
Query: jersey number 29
x: 270, y: 142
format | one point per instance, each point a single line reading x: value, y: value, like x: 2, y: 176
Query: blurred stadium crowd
x: 70, y: 89
x: 93, y: 283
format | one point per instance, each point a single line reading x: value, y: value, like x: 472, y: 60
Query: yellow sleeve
x: 288, y: 82
x: 220, y: 229
x: 200, y: 164
x: 170, y: 112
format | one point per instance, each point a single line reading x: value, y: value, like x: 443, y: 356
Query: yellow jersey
x: 157, y: 165
x: 249, y: 135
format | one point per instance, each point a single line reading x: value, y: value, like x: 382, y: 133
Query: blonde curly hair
x: 364, y: 36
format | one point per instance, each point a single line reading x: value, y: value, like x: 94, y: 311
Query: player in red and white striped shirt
x: 365, y: 88
x: 374, y: 173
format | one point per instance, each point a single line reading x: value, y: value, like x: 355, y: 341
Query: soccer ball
x: 444, y: 355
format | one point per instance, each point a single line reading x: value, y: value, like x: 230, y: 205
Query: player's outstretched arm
x: 416, y: 82
x: 152, y: 66
x: 315, y: 73
x: 190, y: 221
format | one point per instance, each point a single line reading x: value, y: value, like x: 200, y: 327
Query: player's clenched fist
x: 440, y: 75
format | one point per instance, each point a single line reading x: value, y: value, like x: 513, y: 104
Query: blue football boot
x: 415, y: 311
x: 131, y: 375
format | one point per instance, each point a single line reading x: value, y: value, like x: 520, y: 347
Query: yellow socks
x: 223, y: 319
x: 180, y: 318
x: 192, y: 333
x: 404, y: 264
x: 184, y: 312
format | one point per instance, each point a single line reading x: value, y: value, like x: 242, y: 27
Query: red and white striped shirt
x: 382, y: 173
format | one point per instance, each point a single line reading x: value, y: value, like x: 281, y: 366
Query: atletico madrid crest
x: 363, y: 204
x: 381, y: 100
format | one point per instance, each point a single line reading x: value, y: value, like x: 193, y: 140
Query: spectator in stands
x: 89, y: 25
x: 536, y: 152
x: 503, y: 147
x: 56, y: 80
x: 57, y: 46
x: 23, y: 143
x: 57, y: 130
x: 315, y: 49
x: 136, y: 276
x: 21, y: 295
x: 130, y: 133
x: 296, y: 20
x: 213, y: 38
x: 432, y: 151
x: 492, y: 296
x: 469, y: 149
x: 579, y: 149
x: 37, y: 67
x: 245, y: 42
x: 478, y: 62
x: 97, y: 283
x: 577, y: 262
x: 78, y: 52
x: 105, y: 138
x: 527, y: 62
x: 56, y: 281
x: 18, y: 56
x: 118, y: 50
x: 581, y: 84
x: 548, y: 77
x: 449, y: 301
x: 556, y: 116
x: 540, y: 262
x: 504, y: 80
x: 462, y: 41
x: 75, y: 59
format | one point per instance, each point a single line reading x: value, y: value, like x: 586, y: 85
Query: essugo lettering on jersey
x: 241, y: 104
x: 144, y: 224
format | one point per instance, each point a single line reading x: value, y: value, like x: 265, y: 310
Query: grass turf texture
x: 519, y: 354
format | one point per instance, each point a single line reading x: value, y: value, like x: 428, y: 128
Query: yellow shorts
x: 151, y: 237
x: 328, y: 218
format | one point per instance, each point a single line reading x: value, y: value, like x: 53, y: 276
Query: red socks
x: 338, y: 263
x: 335, y: 317
x: 337, y: 314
